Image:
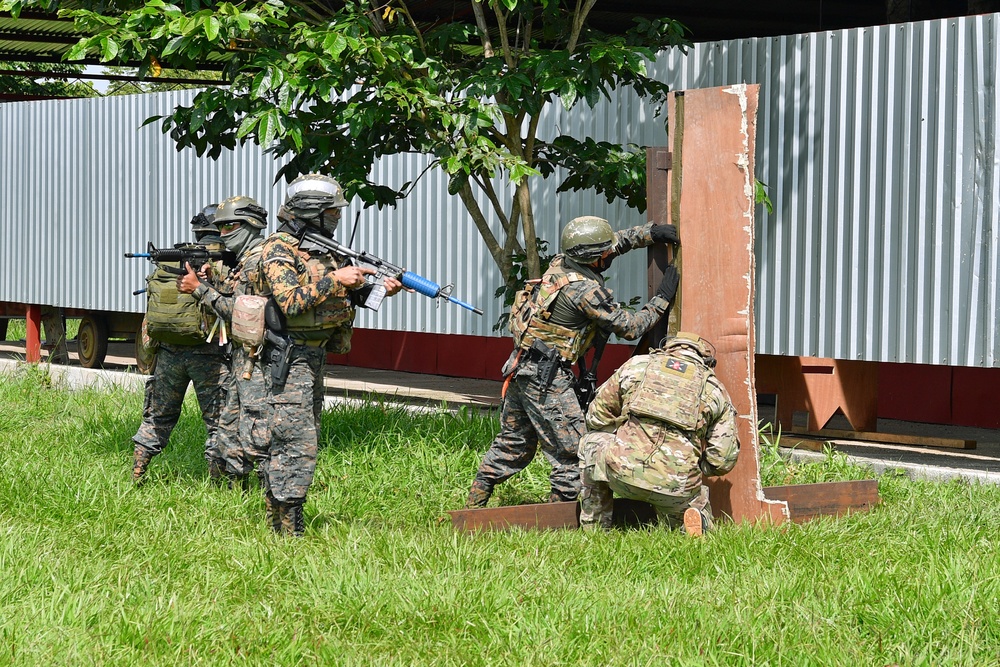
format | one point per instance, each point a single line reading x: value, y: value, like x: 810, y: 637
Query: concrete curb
x: 912, y: 470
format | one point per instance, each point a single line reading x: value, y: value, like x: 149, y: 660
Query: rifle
x: 586, y: 382
x: 384, y: 270
x: 192, y: 253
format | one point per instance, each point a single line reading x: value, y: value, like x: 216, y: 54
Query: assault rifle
x: 586, y: 382
x: 384, y: 269
x: 193, y: 253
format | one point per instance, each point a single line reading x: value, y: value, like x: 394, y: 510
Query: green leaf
x: 212, y: 26
x: 261, y: 84
x: 197, y: 118
x: 109, y: 48
x: 268, y: 128
x: 247, y: 126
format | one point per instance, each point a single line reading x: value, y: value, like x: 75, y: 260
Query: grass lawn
x: 95, y: 572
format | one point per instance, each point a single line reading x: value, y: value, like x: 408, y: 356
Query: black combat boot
x: 271, y: 513
x: 291, y: 521
x: 140, y: 461
x: 479, y: 495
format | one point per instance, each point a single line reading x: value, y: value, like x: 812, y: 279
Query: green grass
x: 17, y: 329
x: 93, y: 571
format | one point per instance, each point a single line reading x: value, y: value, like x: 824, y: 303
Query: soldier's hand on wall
x: 352, y: 277
x: 668, y: 286
x: 665, y: 234
x: 189, y: 281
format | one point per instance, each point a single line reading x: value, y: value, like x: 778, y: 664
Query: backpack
x: 172, y: 317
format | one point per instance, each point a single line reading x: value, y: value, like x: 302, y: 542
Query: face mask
x: 603, y: 264
x: 237, y: 239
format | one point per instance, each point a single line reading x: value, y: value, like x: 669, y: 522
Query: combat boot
x: 291, y: 521
x: 140, y: 461
x: 693, y: 522
x: 479, y: 495
x: 216, y: 471
x: 271, y: 514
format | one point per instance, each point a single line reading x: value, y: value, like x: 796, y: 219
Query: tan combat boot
x: 693, y: 525
x: 140, y: 461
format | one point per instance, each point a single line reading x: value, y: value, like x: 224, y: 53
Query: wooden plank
x: 540, y: 516
x: 885, y: 438
x: 808, y: 501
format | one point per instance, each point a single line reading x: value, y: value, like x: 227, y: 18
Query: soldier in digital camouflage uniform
x: 205, y: 365
x: 554, y: 323
x: 316, y: 292
x: 657, y: 426
x: 242, y: 437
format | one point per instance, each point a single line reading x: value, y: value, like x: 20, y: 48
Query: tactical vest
x: 248, y: 307
x: 172, y: 317
x: 529, y: 316
x: 670, y: 391
x: 319, y: 323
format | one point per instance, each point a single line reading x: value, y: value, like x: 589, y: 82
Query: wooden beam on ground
x: 808, y: 501
x: 885, y: 438
x: 540, y: 516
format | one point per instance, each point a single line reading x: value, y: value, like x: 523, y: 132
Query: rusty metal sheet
x: 808, y: 501
x: 538, y: 516
x: 712, y: 202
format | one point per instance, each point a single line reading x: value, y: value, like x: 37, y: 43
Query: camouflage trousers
x: 294, y: 425
x: 531, y: 416
x: 599, y: 484
x: 204, y: 366
x: 243, y: 433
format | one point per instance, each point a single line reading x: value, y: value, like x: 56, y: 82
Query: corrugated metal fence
x: 877, y: 144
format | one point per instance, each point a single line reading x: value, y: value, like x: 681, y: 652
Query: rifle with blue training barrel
x: 192, y: 253
x: 384, y: 269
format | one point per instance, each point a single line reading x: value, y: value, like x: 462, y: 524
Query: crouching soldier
x: 657, y: 426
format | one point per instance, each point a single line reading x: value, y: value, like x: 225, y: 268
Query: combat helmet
x: 308, y: 197
x: 241, y: 209
x: 586, y: 238
x: 691, y: 341
x: 204, y: 221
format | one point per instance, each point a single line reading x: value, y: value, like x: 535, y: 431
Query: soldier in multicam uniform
x: 242, y: 435
x: 658, y: 425
x: 316, y: 292
x: 204, y: 364
x: 554, y: 323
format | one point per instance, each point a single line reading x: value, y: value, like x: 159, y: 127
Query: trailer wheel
x: 92, y: 341
x: 145, y: 355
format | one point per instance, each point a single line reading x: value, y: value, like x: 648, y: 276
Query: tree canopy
x: 335, y: 87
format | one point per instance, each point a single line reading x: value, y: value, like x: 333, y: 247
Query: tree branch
x: 472, y: 206
x: 484, y: 32
x: 579, y: 17
x: 508, y: 57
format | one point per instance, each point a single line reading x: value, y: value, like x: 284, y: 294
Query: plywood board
x: 712, y: 140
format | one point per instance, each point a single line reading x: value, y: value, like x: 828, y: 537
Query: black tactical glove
x: 665, y: 234
x: 668, y: 286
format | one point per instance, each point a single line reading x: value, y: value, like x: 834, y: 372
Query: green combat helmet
x: 315, y: 200
x: 693, y: 342
x: 586, y: 238
x: 241, y: 209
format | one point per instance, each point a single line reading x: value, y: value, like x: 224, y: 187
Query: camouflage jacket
x: 656, y: 455
x: 583, y: 304
x: 244, y: 279
x: 302, y: 283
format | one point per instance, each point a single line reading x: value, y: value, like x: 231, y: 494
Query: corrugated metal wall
x: 878, y: 146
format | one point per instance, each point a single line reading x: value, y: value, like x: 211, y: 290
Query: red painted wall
x: 909, y: 392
